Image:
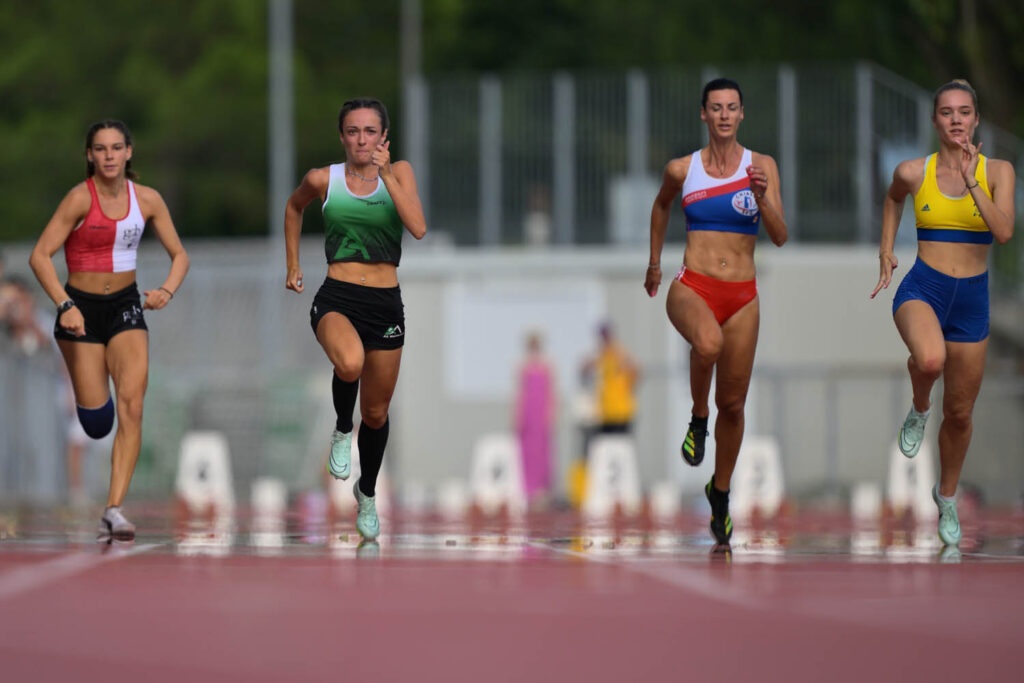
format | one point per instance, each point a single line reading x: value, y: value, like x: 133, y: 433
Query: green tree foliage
x: 189, y: 77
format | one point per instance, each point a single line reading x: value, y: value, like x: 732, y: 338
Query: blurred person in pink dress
x: 535, y: 418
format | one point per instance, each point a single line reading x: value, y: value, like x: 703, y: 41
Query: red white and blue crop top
x: 100, y: 244
x: 722, y: 204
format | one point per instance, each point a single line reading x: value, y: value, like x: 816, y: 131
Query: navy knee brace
x: 97, y: 422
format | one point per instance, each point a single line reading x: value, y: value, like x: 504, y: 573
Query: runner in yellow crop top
x: 963, y: 202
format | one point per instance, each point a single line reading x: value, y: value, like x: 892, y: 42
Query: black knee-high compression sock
x: 344, y: 394
x: 371, y: 455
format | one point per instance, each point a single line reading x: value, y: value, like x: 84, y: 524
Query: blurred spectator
x: 612, y: 374
x: 535, y: 419
x: 22, y: 323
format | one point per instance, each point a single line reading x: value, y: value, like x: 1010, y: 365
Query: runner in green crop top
x: 357, y: 314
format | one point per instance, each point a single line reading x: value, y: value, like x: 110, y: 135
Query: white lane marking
x: 699, y: 581
x: 32, y: 576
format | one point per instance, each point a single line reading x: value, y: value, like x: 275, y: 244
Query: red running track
x: 548, y: 600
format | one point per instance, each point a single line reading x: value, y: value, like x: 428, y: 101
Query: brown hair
x: 90, y: 167
x: 955, y: 84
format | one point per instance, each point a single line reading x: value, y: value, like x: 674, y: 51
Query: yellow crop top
x: 941, y: 218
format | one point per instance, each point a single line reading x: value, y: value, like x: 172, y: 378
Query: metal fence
x: 575, y: 158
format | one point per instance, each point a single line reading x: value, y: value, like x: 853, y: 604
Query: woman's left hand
x: 156, y: 299
x: 381, y: 157
x: 969, y: 161
x: 758, y: 181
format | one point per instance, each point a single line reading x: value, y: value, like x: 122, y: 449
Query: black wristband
x: 971, y: 187
x: 64, y: 306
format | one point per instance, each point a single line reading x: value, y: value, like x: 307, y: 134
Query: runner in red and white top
x: 100, y: 326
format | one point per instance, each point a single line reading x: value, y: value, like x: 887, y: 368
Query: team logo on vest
x: 393, y: 331
x: 744, y: 203
x: 131, y: 236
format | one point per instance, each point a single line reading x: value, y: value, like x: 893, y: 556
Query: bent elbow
x: 419, y: 232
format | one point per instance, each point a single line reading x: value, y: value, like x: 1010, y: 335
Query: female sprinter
x: 962, y: 201
x: 100, y: 327
x: 357, y: 315
x: 726, y: 191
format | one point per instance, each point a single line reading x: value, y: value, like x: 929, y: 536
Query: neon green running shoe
x: 949, y: 522
x: 367, y: 523
x: 912, y: 432
x: 721, y: 522
x: 339, y: 464
x: 693, y: 445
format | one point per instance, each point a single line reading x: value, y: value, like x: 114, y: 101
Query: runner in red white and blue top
x: 100, y: 327
x: 728, y: 191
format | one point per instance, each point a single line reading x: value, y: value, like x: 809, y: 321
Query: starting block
x: 204, y: 473
x: 496, y: 475
x: 757, y: 482
x: 910, y: 483
x: 612, y: 477
x: 664, y: 500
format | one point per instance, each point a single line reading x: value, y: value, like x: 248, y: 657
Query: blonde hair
x: 955, y: 84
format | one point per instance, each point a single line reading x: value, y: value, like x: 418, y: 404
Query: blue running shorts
x: 960, y: 303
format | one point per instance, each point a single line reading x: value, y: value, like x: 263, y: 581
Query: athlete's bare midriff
x: 367, y: 274
x: 101, y: 283
x: 725, y: 256
x: 955, y: 259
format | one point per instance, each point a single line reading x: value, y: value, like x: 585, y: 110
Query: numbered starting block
x: 496, y: 475
x: 757, y: 482
x: 612, y: 477
x: 204, y: 481
x: 910, y: 484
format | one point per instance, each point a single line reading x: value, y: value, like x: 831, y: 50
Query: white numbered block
x: 612, y: 477
x: 757, y: 482
x: 496, y: 475
x: 204, y: 474
x: 910, y: 484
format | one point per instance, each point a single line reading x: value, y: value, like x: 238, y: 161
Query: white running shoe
x: 367, y: 523
x: 340, y: 462
x: 114, y: 525
x: 912, y: 432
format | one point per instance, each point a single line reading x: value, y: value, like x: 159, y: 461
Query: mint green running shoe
x: 367, y: 523
x: 912, y: 432
x: 949, y: 523
x: 340, y: 463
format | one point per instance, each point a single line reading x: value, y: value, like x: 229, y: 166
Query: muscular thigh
x: 739, y: 345
x: 962, y: 374
x: 691, y: 315
x: 339, y: 339
x: 377, y: 385
x: 920, y: 329
x: 128, y: 360
x: 87, y: 366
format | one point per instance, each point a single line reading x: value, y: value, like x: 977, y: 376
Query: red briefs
x: 723, y: 298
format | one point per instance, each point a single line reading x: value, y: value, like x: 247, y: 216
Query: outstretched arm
x: 313, y: 185
x: 155, y: 209
x: 671, y: 184
x: 892, y: 210
x: 764, y: 183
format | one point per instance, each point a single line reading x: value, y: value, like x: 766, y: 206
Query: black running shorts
x: 377, y: 313
x: 105, y: 314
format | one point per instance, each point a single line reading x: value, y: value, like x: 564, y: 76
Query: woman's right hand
x: 886, y: 264
x: 294, y: 279
x: 652, y: 280
x: 72, y: 321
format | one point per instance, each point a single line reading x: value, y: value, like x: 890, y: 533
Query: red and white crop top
x: 100, y: 244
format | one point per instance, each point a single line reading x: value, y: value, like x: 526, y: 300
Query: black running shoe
x: 721, y: 522
x: 693, y: 444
